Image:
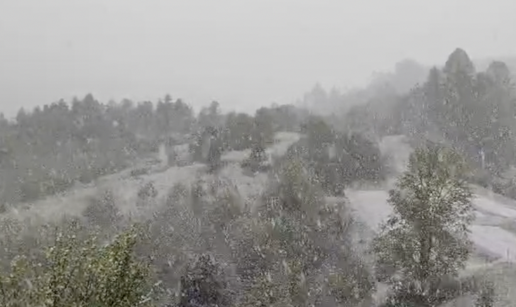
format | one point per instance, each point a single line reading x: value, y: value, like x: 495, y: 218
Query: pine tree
x: 426, y: 237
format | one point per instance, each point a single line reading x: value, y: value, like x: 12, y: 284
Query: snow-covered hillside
x: 494, y: 230
x: 125, y: 186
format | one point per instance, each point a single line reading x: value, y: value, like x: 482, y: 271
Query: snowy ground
x: 487, y: 232
x: 126, y: 186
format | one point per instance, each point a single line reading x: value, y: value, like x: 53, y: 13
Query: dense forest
x: 51, y: 148
x: 471, y: 111
x: 297, y: 243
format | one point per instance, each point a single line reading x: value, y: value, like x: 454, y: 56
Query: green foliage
x: 246, y: 132
x: 280, y: 118
x: 318, y: 132
x: 240, y: 132
x: 173, y: 116
x: 432, y: 212
x: 171, y: 235
x: 78, y: 272
x: 288, y: 248
x: 226, y: 207
x: 366, y: 162
x: 285, y: 287
x: 265, y: 125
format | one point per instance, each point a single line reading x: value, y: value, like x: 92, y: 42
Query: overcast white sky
x: 242, y: 53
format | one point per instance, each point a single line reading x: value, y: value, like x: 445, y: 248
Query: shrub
x: 172, y: 158
x: 256, y: 162
x: 351, y: 286
x: 176, y: 193
x: 139, y: 172
x: 102, y: 209
x: 227, y: 207
x: 147, y: 191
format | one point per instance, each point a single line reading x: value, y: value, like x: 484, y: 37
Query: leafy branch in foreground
x: 78, y: 272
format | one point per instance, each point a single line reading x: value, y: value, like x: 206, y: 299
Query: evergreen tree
x: 214, y: 153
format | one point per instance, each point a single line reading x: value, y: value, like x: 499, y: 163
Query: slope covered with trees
x: 335, y: 159
x: 51, y: 148
x: 472, y: 111
x: 206, y: 244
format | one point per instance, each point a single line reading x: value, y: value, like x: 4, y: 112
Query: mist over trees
x: 454, y: 104
x: 206, y: 241
x: 406, y: 75
x: 471, y: 111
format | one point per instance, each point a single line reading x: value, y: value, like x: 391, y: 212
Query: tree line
x: 51, y: 148
x: 472, y: 111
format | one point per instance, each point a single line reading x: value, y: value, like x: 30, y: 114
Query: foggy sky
x: 243, y: 53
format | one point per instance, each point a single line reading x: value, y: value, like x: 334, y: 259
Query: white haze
x: 242, y: 53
